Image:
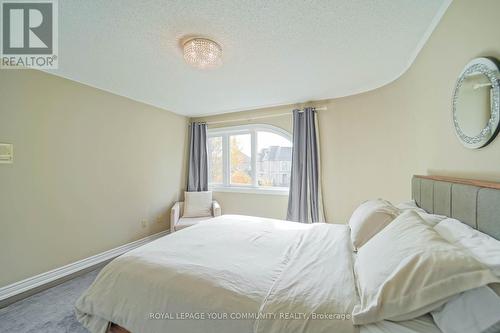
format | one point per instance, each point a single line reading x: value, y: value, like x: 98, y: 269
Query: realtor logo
x: 29, y: 34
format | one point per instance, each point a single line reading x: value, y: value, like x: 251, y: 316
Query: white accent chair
x: 177, y: 222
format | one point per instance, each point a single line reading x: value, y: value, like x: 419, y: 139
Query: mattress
x: 235, y: 265
x: 223, y: 272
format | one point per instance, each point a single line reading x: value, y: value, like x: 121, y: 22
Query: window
x: 215, y: 160
x: 250, y: 158
x: 240, y: 159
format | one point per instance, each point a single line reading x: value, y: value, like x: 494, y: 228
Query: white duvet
x: 234, y: 274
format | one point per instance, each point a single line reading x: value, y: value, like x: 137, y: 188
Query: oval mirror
x: 476, y: 105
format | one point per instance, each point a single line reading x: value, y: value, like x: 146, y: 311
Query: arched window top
x: 250, y: 158
x: 251, y: 127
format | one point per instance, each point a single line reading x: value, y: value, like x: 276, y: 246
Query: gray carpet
x: 50, y: 311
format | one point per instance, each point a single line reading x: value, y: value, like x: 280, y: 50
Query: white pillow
x: 408, y: 269
x: 409, y: 205
x: 197, y: 204
x: 431, y: 219
x: 369, y: 218
x: 484, y: 248
x: 476, y: 310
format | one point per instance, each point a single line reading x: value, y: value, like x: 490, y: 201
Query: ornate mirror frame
x: 489, y: 68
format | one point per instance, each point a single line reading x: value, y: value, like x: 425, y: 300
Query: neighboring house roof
x: 276, y: 153
x: 246, y: 158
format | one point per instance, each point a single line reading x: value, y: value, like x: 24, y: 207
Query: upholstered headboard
x: 476, y: 203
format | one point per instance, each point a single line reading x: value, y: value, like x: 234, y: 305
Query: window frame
x: 252, y: 129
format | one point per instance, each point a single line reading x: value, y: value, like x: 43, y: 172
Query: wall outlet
x: 6, y: 153
x: 144, y: 223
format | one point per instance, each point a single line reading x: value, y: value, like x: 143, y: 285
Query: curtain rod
x: 321, y: 108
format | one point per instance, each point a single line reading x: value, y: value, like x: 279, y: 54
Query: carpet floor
x: 50, y: 311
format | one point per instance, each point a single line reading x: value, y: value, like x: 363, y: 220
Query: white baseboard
x: 39, y: 280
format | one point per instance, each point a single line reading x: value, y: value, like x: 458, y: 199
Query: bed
x: 236, y: 265
x: 248, y: 274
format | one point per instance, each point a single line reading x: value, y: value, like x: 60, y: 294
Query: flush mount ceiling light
x: 202, y: 53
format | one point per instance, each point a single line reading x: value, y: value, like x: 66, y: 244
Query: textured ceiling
x: 275, y: 52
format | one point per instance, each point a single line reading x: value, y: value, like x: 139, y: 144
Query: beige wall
x: 379, y: 139
x: 372, y: 143
x: 263, y: 205
x: 88, y: 167
x: 470, y: 29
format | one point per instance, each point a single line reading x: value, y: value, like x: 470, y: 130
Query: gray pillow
x: 473, y: 311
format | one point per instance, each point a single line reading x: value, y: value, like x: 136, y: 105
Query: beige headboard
x: 474, y: 202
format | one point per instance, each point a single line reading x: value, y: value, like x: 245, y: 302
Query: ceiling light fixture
x: 202, y: 53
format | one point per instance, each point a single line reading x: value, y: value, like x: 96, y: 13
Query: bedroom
x: 95, y: 151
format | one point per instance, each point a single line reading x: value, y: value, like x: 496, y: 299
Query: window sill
x: 252, y: 190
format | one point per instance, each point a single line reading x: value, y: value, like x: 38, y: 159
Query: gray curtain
x: 198, y: 158
x: 304, y: 201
